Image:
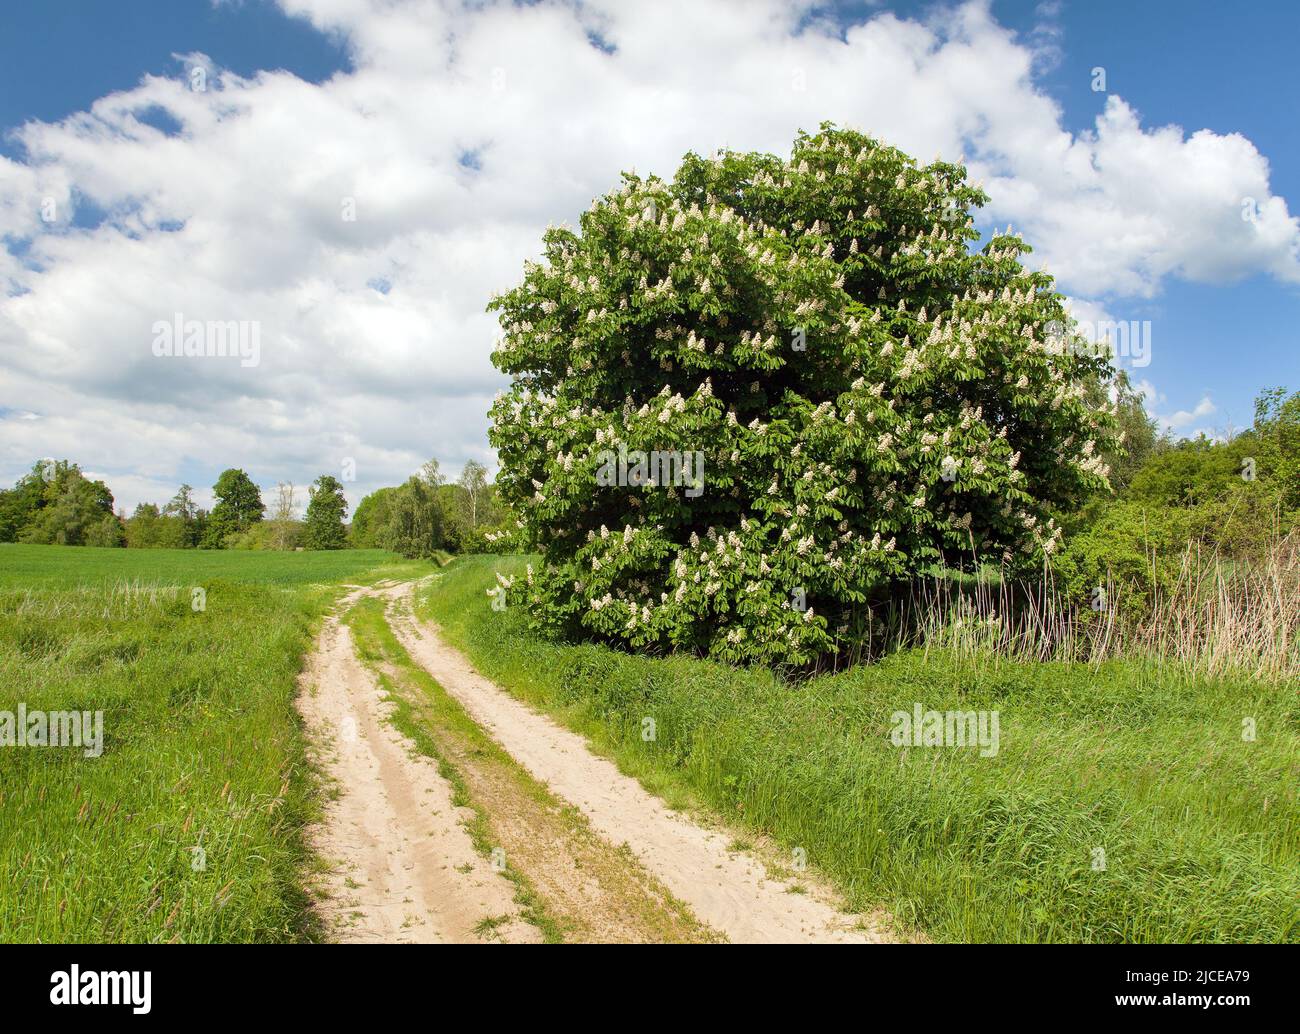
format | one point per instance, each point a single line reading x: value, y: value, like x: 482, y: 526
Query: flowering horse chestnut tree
x: 748, y: 402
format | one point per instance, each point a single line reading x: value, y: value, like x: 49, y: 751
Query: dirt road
x: 654, y: 873
x: 401, y: 866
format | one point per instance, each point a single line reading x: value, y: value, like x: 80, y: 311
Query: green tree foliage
x: 1137, y: 439
x: 473, y: 480
x: 281, y: 531
x: 455, y: 508
x: 105, y: 532
x: 186, y: 520
x: 55, y: 503
x: 273, y: 535
x: 1228, y: 499
x: 174, y: 526
x: 371, y: 519
x: 326, y: 512
x: 239, y: 505
x: 478, y: 515
x: 1276, y: 436
x: 868, y: 396
x: 417, y: 522
x: 144, y: 527
x: 20, y: 505
x: 417, y: 519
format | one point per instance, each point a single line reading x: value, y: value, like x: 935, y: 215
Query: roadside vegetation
x: 1125, y: 802
x: 873, y: 469
x: 189, y: 825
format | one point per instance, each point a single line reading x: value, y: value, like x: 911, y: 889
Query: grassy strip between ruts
x: 188, y: 827
x: 1125, y: 803
x: 571, y: 884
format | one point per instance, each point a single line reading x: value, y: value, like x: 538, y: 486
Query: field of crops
x: 41, y: 567
x: 187, y: 826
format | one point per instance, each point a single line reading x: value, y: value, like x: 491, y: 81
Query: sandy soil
x: 585, y: 889
x: 401, y: 864
x: 730, y: 891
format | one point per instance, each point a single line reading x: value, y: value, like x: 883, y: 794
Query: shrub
x: 274, y: 534
x: 1231, y: 501
x: 866, y: 394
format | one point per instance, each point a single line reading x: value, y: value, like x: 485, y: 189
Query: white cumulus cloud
x: 459, y: 133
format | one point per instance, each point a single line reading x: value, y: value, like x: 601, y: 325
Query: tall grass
x: 189, y: 826
x: 1229, y: 617
x: 1127, y: 802
x: 1203, y: 615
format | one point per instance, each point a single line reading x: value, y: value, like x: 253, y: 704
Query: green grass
x: 68, y: 567
x: 1200, y: 829
x: 202, y: 744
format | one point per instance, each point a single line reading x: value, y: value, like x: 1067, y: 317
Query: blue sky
x: 57, y: 58
x: 377, y: 341
x: 1230, y: 68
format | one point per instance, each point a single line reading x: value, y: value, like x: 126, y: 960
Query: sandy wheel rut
x: 401, y: 866
x: 730, y: 891
x: 594, y: 856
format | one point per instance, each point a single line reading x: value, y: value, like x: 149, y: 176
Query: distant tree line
x: 55, y: 503
x: 427, y: 515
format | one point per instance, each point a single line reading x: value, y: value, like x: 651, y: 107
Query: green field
x: 1124, y: 803
x: 45, y: 567
x: 202, y: 747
